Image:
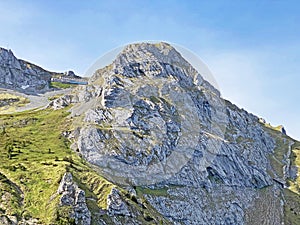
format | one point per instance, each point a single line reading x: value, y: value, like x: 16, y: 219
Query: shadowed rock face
x: 150, y: 119
x: 21, y: 75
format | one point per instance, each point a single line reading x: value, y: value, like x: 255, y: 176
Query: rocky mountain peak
x: 152, y: 60
x: 6, y: 52
x: 148, y: 52
x: 155, y: 104
x: 7, y: 58
x: 150, y: 119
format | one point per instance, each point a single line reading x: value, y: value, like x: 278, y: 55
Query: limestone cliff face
x: 150, y: 120
x: 21, y: 75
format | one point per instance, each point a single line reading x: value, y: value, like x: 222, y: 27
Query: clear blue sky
x: 252, y: 47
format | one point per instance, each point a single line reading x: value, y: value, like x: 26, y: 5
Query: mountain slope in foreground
x: 147, y: 141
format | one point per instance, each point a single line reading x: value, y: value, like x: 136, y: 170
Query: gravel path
x: 36, y: 101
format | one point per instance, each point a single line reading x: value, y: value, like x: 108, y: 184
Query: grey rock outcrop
x: 20, y: 75
x: 115, y: 204
x: 74, y: 197
x: 62, y: 102
x: 152, y: 120
x: 81, y: 94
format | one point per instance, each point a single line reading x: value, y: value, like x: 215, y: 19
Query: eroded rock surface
x: 74, y: 197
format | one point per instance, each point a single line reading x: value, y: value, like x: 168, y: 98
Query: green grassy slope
x: 34, y: 157
x: 61, y: 85
x: 9, y: 102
